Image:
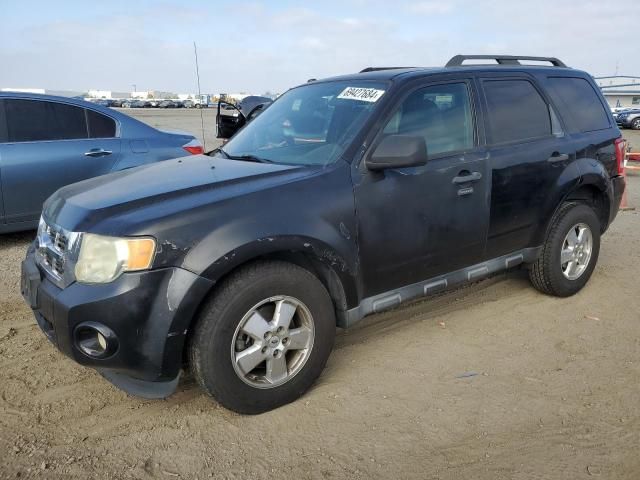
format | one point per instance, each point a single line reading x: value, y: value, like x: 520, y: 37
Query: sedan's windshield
x: 308, y: 125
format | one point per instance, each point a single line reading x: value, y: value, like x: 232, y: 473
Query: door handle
x: 467, y: 177
x: 558, y: 157
x: 97, y: 152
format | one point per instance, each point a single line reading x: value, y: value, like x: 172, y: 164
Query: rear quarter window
x: 100, y: 126
x: 580, y: 102
x: 517, y: 112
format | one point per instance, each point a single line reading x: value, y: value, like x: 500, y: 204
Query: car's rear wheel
x: 570, y: 252
x: 263, y: 338
x: 636, y: 124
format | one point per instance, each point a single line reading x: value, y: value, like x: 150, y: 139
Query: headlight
x: 103, y: 259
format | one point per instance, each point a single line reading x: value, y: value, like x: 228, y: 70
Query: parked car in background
x: 347, y: 196
x: 117, y: 103
x: 140, y: 104
x: 167, y: 104
x: 188, y: 104
x: 232, y: 117
x: 103, y: 102
x: 629, y: 118
x: 47, y: 142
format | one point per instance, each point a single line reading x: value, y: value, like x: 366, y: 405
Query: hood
x: 181, y: 183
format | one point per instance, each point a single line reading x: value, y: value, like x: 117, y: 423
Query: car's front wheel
x: 263, y: 338
x: 636, y: 124
x: 570, y: 252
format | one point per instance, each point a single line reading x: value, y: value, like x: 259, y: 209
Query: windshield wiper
x: 245, y: 158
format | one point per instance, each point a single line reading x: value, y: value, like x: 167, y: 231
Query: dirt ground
x: 493, y: 381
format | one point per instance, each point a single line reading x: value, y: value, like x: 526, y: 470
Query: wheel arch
x: 583, y: 181
x: 334, y: 272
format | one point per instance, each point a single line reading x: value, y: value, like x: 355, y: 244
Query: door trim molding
x: 394, y: 298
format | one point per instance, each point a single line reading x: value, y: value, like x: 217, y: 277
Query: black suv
x: 347, y: 196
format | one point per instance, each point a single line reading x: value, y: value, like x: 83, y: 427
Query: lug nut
x: 280, y: 329
x: 285, y: 340
x: 264, y: 349
x: 276, y: 353
x: 267, y: 335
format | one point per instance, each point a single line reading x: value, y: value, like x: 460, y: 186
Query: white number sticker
x: 362, y: 94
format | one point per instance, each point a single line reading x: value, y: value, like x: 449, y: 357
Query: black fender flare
x: 581, y: 173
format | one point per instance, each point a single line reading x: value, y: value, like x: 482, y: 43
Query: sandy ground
x: 493, y: 381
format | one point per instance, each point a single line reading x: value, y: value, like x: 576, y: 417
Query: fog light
x: 95, y: 340
x: 102, y: 341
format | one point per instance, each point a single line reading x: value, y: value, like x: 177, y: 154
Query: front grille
x: 53, y: 246
x: 54, y: 253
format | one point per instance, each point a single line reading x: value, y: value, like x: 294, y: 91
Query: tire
x: 636, y: 124
x: 548, y: 274
x: 218, y: 337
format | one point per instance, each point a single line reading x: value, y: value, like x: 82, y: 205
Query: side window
x: 34, y: 120
x: 100, y: 126
x: 439, y: 113
x: 577, y: 97
x: 517, y: 112
x: 3, y: 123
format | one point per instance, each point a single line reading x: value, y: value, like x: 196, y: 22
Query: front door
x: 419, y: 222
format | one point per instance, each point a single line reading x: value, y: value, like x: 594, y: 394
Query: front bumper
x: 150, y: 313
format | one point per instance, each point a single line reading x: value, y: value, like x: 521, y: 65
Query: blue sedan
x: 47, y: 142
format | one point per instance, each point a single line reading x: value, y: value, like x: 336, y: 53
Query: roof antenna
x: 204, y: 140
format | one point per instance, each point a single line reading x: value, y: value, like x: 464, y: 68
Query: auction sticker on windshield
x: 362, y: 94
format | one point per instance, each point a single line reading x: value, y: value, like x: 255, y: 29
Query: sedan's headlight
x: 103, y: 259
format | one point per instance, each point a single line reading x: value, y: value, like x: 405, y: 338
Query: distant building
x: 620, y: 90
x: 44, y: 91
x: 108, y: 94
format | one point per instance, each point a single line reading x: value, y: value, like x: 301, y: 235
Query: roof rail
x: 376, y: 69
x: 458, y: 60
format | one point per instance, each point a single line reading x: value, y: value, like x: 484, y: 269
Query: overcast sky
x: 272, y: 45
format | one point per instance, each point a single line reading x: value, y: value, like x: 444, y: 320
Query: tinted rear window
x: 100, y: 126
x: 516, y: 111
x: 577, y: 98
x: 33, y: 120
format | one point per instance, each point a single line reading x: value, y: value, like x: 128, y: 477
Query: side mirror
x: 398, y: 151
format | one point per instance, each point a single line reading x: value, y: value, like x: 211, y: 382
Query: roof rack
x: 376, y: 69
x: 502, y: 60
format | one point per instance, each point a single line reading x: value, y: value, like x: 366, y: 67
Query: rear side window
x: 577, y: 97
x: 3, y: 124
x: 100, y: 126
x: 35, y: 120
x: 517, y: 112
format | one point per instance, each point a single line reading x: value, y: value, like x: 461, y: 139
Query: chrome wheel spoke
x: 572, y: 237
x: 276, y: 369
x: 250, y: 358
x: 582, y: 233
x: 284, y: 313
x: 256, y: 326
x: 299, y: 338
x: 566, y: 255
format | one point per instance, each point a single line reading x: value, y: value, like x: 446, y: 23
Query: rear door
x: 416, y: 223
x: 528, y: 152
x: 49, y: 145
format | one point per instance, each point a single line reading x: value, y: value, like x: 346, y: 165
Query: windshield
x: 308, y: 125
